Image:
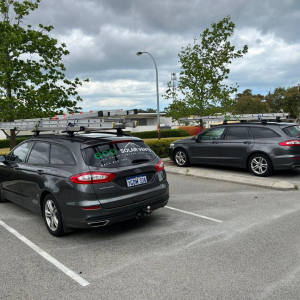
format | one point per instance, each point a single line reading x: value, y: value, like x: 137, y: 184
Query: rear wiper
x: 139, y: 161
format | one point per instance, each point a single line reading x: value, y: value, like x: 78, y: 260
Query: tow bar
x: 142, y: 214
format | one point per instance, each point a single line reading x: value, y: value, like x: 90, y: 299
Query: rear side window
x: 19, y: 154
x: 118, y: 154
x: 263, y: 133
x: 293, y: 131
x: 60, y: 156
x: 39, y: 154
x: 237, y: 133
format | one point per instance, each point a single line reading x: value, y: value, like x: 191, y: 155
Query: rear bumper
x: 105, y: 217
x: 285, y: 163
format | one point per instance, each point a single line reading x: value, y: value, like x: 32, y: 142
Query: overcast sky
x: 103, y: 37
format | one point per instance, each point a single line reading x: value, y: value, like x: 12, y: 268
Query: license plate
x: 136, y: 180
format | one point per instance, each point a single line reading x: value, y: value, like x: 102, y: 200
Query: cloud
x: 104, y: 36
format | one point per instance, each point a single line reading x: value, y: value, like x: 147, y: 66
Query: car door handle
x: 40, y: 172
x: 215, y: 142
x: 247, y: 142
x: 16, y: 168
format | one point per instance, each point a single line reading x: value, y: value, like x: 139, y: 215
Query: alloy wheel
x: 51, y: 215
x: 180, y: 158
x: 259, y: 165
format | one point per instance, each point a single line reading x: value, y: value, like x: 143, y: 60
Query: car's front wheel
x: 260, y: 165
x: 181, y: 158
x: 53, y: 216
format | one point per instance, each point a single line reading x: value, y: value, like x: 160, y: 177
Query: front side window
x: 19, y: 154
x: 237, y: 133
x: 39, y: 154
x: 214, y: 134
x: 118, y: 154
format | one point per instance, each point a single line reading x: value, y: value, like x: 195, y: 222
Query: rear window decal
x: 105, y: 153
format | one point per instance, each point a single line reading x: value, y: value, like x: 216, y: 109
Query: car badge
x: 137, y: 171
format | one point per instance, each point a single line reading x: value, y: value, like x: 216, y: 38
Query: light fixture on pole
x: 158, y: 117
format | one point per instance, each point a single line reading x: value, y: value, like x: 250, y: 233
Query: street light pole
x: 158, y: 116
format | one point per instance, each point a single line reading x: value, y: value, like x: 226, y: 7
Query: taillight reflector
x: 91, y: 208
x: 159, y: 166
x: 290, y: 143
x: 92, y: 177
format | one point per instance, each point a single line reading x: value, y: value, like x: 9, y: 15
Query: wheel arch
x: 42, y: 199
x: 179, y: 148
x: 258, y: 152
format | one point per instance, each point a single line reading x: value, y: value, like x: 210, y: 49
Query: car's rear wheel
x: 181, y: 158
x: 260, y: 165
x: 53, y: 216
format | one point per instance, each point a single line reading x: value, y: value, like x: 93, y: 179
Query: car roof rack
x: 242, y: 118
x: 75, y: 122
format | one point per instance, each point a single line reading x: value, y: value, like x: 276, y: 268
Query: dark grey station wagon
x: 260, y: 147
x: 82, y: 181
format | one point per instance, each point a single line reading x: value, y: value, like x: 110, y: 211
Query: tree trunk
x: 12, y: 142
x: 201, y: 125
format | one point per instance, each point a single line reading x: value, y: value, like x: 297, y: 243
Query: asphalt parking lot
x: 214, y: 241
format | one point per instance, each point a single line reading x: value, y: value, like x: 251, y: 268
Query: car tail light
x: 159, y: 166
x: 92, y: 177
x: 290, y: 143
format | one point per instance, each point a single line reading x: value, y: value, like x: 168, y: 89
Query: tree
x: 246, y: 103
x: 292, y: 102
x: 32, y: 79
x: 204, y: 68
x: 276, y: 99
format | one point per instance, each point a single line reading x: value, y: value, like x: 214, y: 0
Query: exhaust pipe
x: 98, y: 224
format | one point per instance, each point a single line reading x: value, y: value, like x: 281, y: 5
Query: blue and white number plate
x: 136, y: 180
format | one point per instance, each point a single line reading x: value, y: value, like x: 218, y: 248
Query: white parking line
x: 41, y: 252
x: 199, y: 216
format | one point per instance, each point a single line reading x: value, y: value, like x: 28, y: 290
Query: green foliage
x: 5, y: 143
x: 161, y: 147
x: 276, y: 99
x: 292, y: 102
x: 165, y: 133
x: 32, y: 79
x: 286, y: 100
x: 204, y: 68
x: 246, y: 103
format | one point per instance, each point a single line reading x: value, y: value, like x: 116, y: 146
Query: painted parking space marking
x: 199, y: 216
x: 47, y: 256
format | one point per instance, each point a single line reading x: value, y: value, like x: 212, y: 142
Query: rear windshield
x: 118, y: 154
x: 293, y: 131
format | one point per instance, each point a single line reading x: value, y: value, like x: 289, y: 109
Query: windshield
x: 293, y: 131
x: 118, y: 154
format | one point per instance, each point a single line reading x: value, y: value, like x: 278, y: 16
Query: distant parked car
x: 260, y: 147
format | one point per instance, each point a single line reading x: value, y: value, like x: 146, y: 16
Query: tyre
x: 181, y: 158
x: 52, y: 216
x: 2, y: 200
x: 260, y: 165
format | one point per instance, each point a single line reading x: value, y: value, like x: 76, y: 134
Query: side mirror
x: 2, y: 158
x: 198, y: 138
